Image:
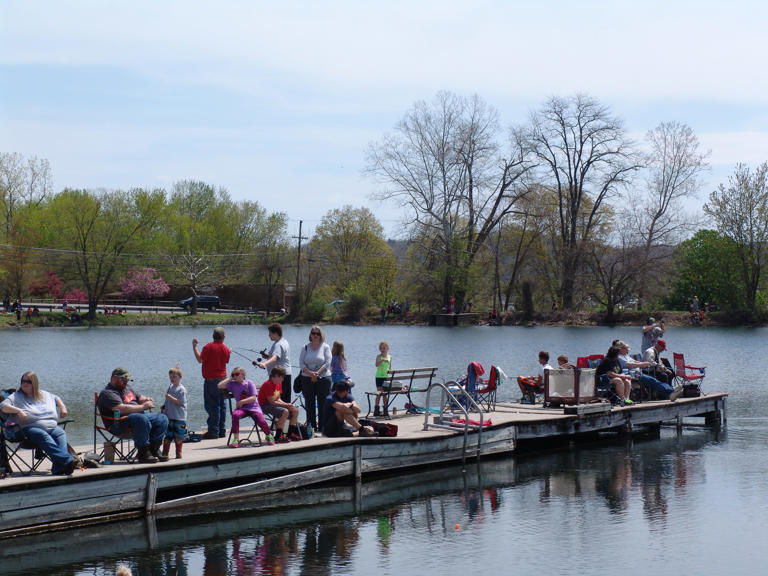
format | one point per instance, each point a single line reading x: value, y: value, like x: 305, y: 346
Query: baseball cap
x: 661, y: 343
x: 122, y: 373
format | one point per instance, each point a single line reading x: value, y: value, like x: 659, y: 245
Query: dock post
x: 151, y: 493
x: 357, y: 459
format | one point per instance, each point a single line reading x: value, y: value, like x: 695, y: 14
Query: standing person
x: 271, y: 404
x: 652, y: 331
x: 338, y: 363
x: 35, y: 412
x: 148, y: 429
x: 214, y: 358
x: 279, y: 355
x: 315, y: 363
x: 383, y: 365
x: 247, y: 404
x: 175, y: 409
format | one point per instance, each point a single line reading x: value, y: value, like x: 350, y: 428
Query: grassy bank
x: 59, y: 319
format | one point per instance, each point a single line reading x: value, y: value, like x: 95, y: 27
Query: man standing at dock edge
x: 214, y: 358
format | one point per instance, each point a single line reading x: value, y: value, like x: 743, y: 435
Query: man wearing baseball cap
x: 148, y: 428
x: 657, y: 369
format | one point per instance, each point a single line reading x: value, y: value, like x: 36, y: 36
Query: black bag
x: 382, y: 429
x: 297, y: 383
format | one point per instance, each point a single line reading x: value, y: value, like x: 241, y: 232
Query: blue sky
x: 278, y: 103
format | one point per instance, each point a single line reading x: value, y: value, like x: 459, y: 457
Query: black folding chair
x: 121, y: 443
x: 16, y: 445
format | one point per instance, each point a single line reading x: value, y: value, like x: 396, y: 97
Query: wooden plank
x: 263, y: 487
x: 587, y: 409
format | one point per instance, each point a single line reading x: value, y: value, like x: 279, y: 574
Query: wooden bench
x: 403, y: 382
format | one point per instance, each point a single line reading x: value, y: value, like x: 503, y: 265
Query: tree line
x: 562, y: 211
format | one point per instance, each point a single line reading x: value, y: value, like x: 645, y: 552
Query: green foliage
x: 707, y: 266
x: 356, y: 302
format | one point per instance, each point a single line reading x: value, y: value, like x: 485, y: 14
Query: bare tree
x: 741, y: 214
x: 584, y: 155
x: 22, y: 181
x: 443, y: 164
x: 674, y: 164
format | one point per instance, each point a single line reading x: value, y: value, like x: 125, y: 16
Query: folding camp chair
x: 16, y: 444
x: 691, y: 381
x: 120, y: 443
x: 485, y: 393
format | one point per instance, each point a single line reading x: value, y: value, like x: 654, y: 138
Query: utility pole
x: 298, y: 256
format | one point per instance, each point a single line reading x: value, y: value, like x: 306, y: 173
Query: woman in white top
x: 35, y: 412
x: 315, y: 364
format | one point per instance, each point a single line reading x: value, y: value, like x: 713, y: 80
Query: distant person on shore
x: 383, y: 365
x: 214, y: 358
x: 341, y: 412
x: 284, y: 414
x: 247, y: 404
x: 279, y: 354
x: 652, y: 331
x: 175, y: 408
x: 36, y: 414
x: 531, y: 385
x: 315, y: 363
x: 148, y: 428
x: 338, y: 363
x: 609, y: 373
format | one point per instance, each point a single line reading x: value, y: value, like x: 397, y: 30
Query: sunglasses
x: 26, y: 381
x: 314, y: 333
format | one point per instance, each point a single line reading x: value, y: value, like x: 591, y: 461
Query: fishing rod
x: 244, y: 356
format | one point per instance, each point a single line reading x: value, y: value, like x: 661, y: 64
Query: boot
x: 154, y: 449
x: 178, y: 449
x: 166, y: 447
x: 145, y: 456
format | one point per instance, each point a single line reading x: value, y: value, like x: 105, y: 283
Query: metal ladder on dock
x: 453, y: 398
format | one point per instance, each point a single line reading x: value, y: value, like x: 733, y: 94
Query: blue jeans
x: 53, y: 443
x: 147, y: 428
x: 215, y: 406
x: 657, y: 387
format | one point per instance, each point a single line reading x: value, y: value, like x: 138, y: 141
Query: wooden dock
x: 211, y: 473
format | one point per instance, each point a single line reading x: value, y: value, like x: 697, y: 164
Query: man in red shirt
x: 214, y: 358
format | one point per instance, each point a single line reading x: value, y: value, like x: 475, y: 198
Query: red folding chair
x: 692, y: 380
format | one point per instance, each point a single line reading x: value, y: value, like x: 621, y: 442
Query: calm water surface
x: 695, y: 503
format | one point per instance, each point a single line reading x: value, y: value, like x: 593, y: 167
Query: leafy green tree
x: 707, y: 266
x: 741, y: 214
x: 98, y: 230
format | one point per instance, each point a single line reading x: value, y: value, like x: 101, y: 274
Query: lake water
x: 695, y: 503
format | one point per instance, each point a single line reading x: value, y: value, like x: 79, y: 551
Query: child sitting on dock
x: 341, y: 412
x: 383, y: 365
x: 530, y: 385
x: 247, y: 404
x: 338, y: 363
x: 176, y: 409
x: 273, y: 405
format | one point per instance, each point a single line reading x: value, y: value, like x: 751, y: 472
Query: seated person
x: 530, y: 385
x: 273, y: 405
x: 656, y: 368
x: 649, y: 383
x: 148, y: 429
x: 247, y: 404
x: 341, y: 412
x: 563, y: 364
x: 35, y: 412
x: 609, y: 373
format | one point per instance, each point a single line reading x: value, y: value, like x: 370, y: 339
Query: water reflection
x: 375, y: 527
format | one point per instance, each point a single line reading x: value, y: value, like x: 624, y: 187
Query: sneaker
x: 282, y: 439
x: 235, y: 444
x: 376, y: 411
x: 628, y: 401
x: 270, y: 440
x: 676, y: 393
x: 293, y: 437
x: 210, y: 436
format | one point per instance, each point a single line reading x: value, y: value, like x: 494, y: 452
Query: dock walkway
x: 211, y: 472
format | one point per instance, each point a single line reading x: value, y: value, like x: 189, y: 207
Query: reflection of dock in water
x: 211, y: 474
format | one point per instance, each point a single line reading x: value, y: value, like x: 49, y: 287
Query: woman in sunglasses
x: 35, y: 412
x: 315, y: 363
